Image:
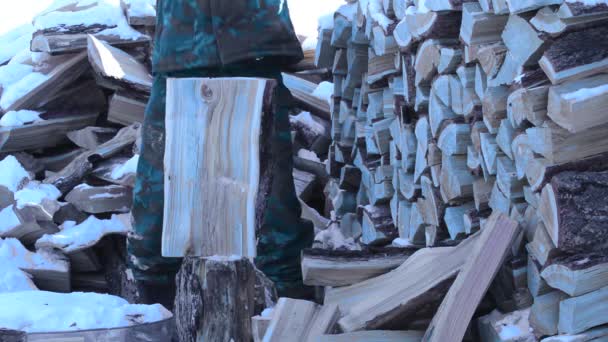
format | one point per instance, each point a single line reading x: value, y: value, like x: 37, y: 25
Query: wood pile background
x: 455, y: 117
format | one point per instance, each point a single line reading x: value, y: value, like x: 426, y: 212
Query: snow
x: 584, y: 94
x: 21, y: 87
x: 54, y: 312
x: 141, y: 8
x: 589, y: 2
x: 514, y: 326
x: 377, y: 14
x: 307, y: 120
x: 25, y: 10
x: 12, y: 279
x: 129, y: 167
x: 34, y: 193
x: 324, y: 91
x: 74, y: 237
x: 14, y: 253
x: 309, y: 155
x: 399, y: 242
x: 8, y: 220
x: 304, y: 12
x: 106, y: 12
x: 12, y: 175
x: 268, y: 312
x: 19, y: 118
x: 15, y: 41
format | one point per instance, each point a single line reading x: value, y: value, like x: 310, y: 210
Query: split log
x: 215, y: 299
x: 578, y: 274
x: 378, y: 226
x: 324, y: 53
x: 578, y: 314
x: 91, y: 137
x: 413, y: 288
x: 259, y: 326
x: 342, y: 268
x: 573, y: 211
x: 117, y: 69
x: 528, y: 104
x: 578, y: 105
x: 540, y: 171
x: 541, y: 247
x: 101, y: 199
x: 299, y: 320
x: 576, y: 55
x: 302, y: 90
x: 544, y: 314
x: 460, y: 303
x: 49, y: 132
x: 449, y: 60
x: 523, y: 41
x: 446, y: 5
x: 238, y: 181
x: 529, y: 5
x: 479, y: 27
x: 536, y: 284
x: 456, y: 180
x: 431, y: 24
x: 560, y: 20
x: 454, y: 220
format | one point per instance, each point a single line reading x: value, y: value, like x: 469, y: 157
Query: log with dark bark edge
x: 541, y: 173
x: 225, y: 216
x: 574, y: 210
x: 459, y: 305
x: 576, y: 55
x: 479, y: 27
x: 434, y: 24
x: 578, y: 314
x: 578, y: 274
x: 302, y: 90
x: 405, y: 294
x: 215, y: 299
x: 340, y: 268
x: 300, y: 320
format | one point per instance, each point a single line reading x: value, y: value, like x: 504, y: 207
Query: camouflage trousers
x: 283, y: 234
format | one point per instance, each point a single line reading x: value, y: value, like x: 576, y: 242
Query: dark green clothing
x: 283, y: 234
x: 193, y: 34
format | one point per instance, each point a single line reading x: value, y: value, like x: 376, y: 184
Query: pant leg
x: 144, y: 244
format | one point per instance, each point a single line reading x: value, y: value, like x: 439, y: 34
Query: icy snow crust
x: 57, y: 312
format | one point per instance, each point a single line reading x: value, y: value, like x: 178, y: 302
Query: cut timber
x: 479, y: 27
x: 101, y: 199
x: 456, y: 180
x: 61, y: 72
x: 376, y: 336
x: 445, y: 5
x: 378, y: 226
x: 118, y: 69
x: 324, y: 53
x: 528, y: 104
x: 215, y: 299
x: 555, y: 21
x: 578, y: 274
x: 91, y: 137
x: 215, y: 207
x: 579, y: 105
x: 544, y: 314
x: 454, y: 139
x: 576, y: 55
x: 427, y: 25
x: 259, y: 326
x: 471, y: 284
x: 573, y: 209
x: 581, y: 313
x: 400, y: 295
x: 46, y: 133
x: 454, y: 220
x: 523, y: 41
x: 300, y: 320
x: 540, y: 171
x: 541, y: 247
x: 302, y: 90
x: 536, y: 284
x: 125, y: 110
x: 340, y: 268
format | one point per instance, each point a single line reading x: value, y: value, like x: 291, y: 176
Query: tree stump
x: 216, y: 298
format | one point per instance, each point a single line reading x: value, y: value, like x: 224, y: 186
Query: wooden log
x: 417, y: 225
x: 245, y: 178
x: 594, y: 334
x: 102, y: 199
x: 299, y: 320
x: 536, y: 284
x: 125, y: 110
x: 512, y: 326
x: 541, y: 247
x: 578, y: 314
x: 378, y: 226
x: 446, y: 5
x: 429, y: 25
x: 91, y: 137
x: 324, y: 53
x: 571, y: 210
x: 584, y: 97
x: 454, y: 139
x: 302, y: 91
x: 449, y: 60
x: 343, y: 268
x: 479, y: 27
x: 419, y: 282
x: 576, y: 55
x: 259, y: 326
x: 460, y: 303
x: 524, y: 43
x: 528, y: 104
x: 118, y: 69
x: 494, y: 106
x: 383, y: 42
x: 215, y: 299
x: 42, y: 134
x: 529, y: 5
x: 577, y: 274
x: 454, y: 220
x: 456, y: 180
x: 556, y: 21
x: 544, y: 314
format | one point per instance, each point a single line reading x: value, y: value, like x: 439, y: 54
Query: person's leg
x: 144, y: 244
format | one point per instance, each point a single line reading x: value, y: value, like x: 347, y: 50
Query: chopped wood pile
x: 467, y: 173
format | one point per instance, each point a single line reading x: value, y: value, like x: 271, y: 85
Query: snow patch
x: 15, y: 41
x: 377, y: 14
x: 19, y: 118
x: 268, y: 312
x: 20, y: 88
x: 56, y: 312
x: 12, y: 175
x: 13, y: 252
x: 309, y: 155
x: 324, y: 91
x: 141, y: 8
x: 74, y: 237
x: 129, y: 167
x: 8, y: 220
x: 399, y: 242
x: 304, y: 15
x: 584, y: 94
x: 307, y: 120
x: 12, y: 279
x: 34, y: 193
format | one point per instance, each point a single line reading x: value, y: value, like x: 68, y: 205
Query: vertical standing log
x: 215, y: 299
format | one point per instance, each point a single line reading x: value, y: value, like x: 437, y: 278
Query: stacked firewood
x: 448, y: 118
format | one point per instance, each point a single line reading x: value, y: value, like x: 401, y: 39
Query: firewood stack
x: 447, y: 114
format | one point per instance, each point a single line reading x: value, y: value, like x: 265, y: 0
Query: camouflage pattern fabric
x: 283, y: 234
x: 194, y: 34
